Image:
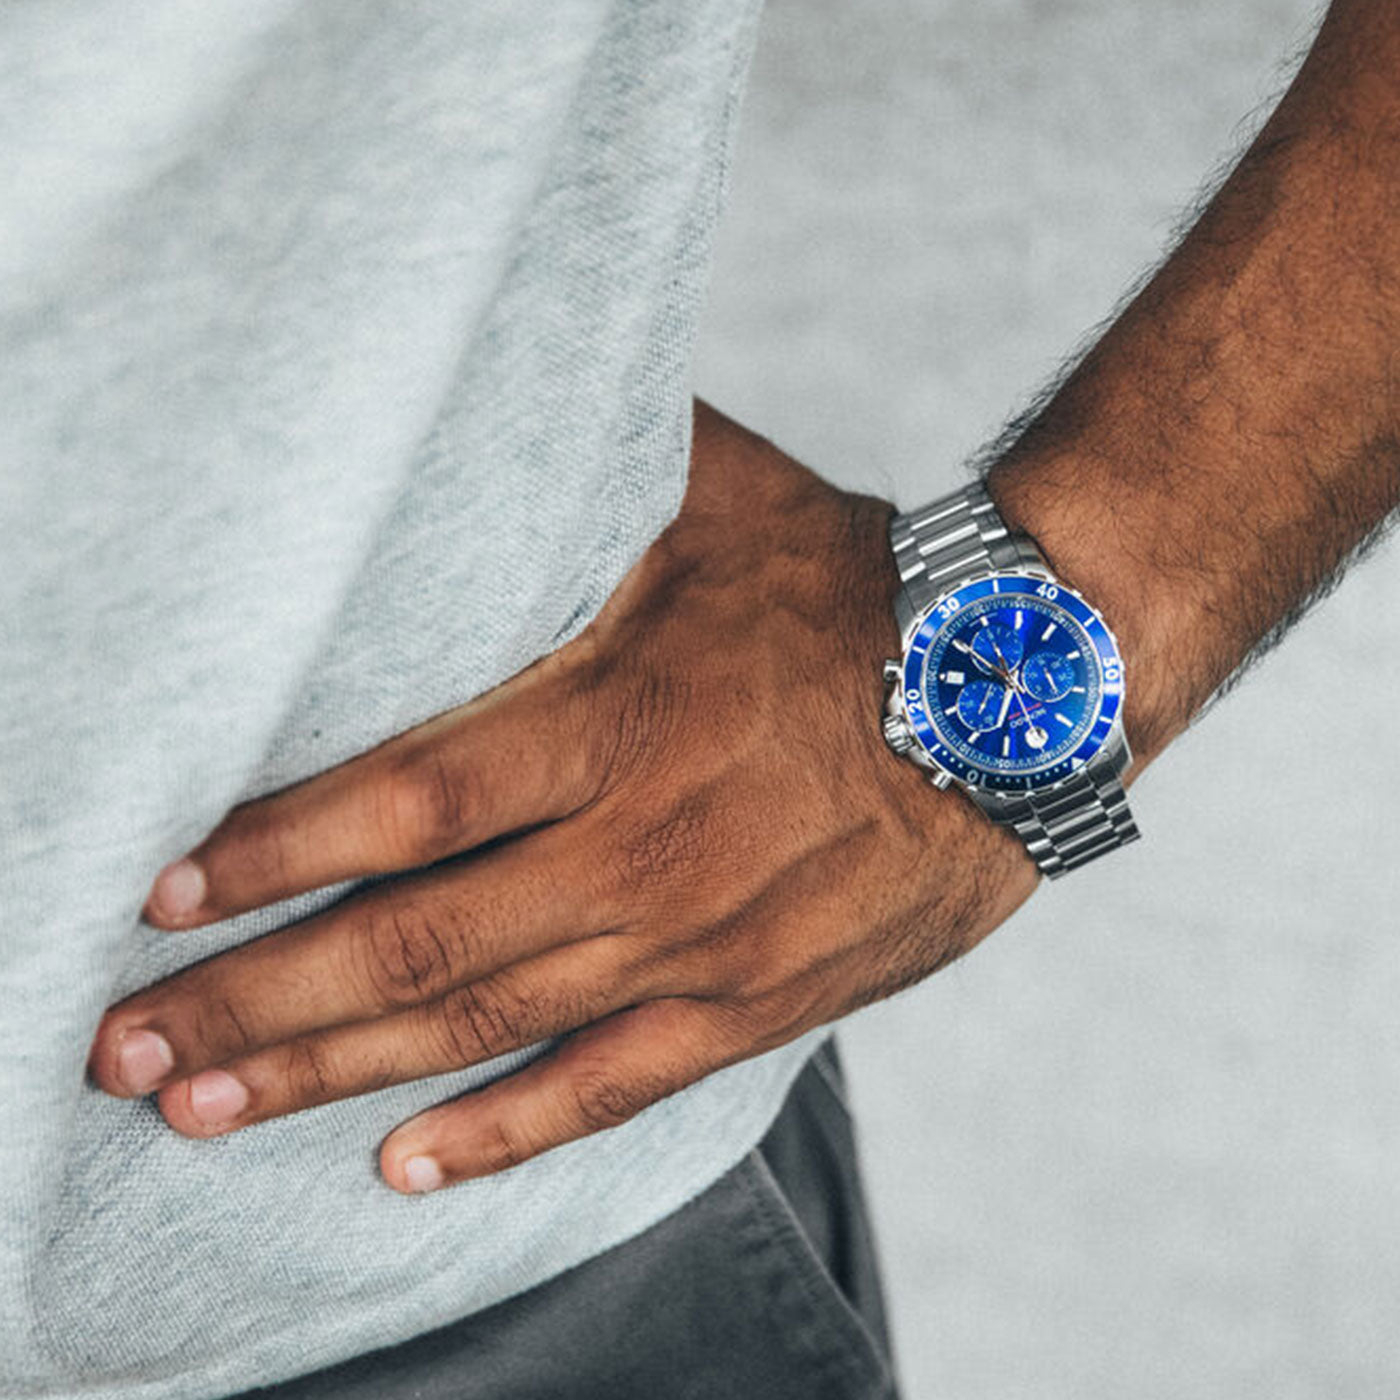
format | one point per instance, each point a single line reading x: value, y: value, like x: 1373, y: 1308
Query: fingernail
x: 216, y: 1097
x: 179, y: 890
x: 422, y: 1174
x: 144, y: 1058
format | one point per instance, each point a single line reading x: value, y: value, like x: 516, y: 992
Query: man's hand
x: 679, y: 841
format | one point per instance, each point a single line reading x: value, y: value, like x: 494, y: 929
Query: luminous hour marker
x: 951, y: 710
x: 953, y: 677
x: 985, y: 620
x: 1077, y: 690
x: 1017, y: 623
x: 1071, y: 656
x: 1006, y: 746
x: 1064, y: 721
x: 1047, y: 632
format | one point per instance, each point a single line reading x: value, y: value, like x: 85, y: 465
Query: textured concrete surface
x: 1145, y: 1141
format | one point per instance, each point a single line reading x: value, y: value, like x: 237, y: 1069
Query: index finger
x: 511, y: 759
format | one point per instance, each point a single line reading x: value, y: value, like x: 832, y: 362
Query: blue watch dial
x: 1012, y: 682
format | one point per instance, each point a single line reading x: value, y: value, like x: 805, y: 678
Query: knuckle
x: 306, y: 1070
x: 424, y: 804
x: 600, y: 1101
x: 502, y: 1147
x: 680, y: 841
x: 477, y: 1023
x: 729, y: 957
x: 780, y: 1014
x: 736, y: 1021
x: 717, y: 958
x: 220, y: 1026
x: 408, y: 954
x: 255, y: 836
x: 754, y: 1021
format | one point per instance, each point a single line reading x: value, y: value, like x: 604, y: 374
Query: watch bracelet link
x: 935, y: 548
x: 952, y: 539
x: 1075, y: 822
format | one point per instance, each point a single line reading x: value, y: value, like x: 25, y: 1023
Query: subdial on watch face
x: 997, y: 647
x: 980, y: 704
x: 1047, y: 675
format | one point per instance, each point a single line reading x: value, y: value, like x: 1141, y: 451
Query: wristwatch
x: 1010, y: 685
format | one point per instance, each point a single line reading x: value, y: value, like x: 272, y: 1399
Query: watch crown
x: 898, y: 735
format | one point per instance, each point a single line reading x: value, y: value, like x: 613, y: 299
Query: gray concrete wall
x: 1145, y: 1141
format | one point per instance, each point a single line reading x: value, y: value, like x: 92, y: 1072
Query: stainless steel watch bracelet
x: 1074, y: 822
x: 953, y: 539
x: 935, y: 549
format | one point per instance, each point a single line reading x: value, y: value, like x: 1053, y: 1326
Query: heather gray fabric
x: 343, y: 371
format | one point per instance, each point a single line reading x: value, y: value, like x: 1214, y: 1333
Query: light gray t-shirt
x: 343, y: 371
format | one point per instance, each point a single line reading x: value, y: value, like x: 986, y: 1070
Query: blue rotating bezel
x: 939, y: 615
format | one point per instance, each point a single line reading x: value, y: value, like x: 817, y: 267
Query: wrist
x: 1211, y: 463
x: 1163, y: 635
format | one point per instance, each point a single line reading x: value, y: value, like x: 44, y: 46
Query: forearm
x: 1234, y: 435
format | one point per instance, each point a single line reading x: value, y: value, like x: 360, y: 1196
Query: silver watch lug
x: 1017, y: 554
x: 1115, y: 755
x: 992, y: 803
x: 893, y: 672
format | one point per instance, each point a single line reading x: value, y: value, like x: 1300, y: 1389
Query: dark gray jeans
x: 764, y: 1288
